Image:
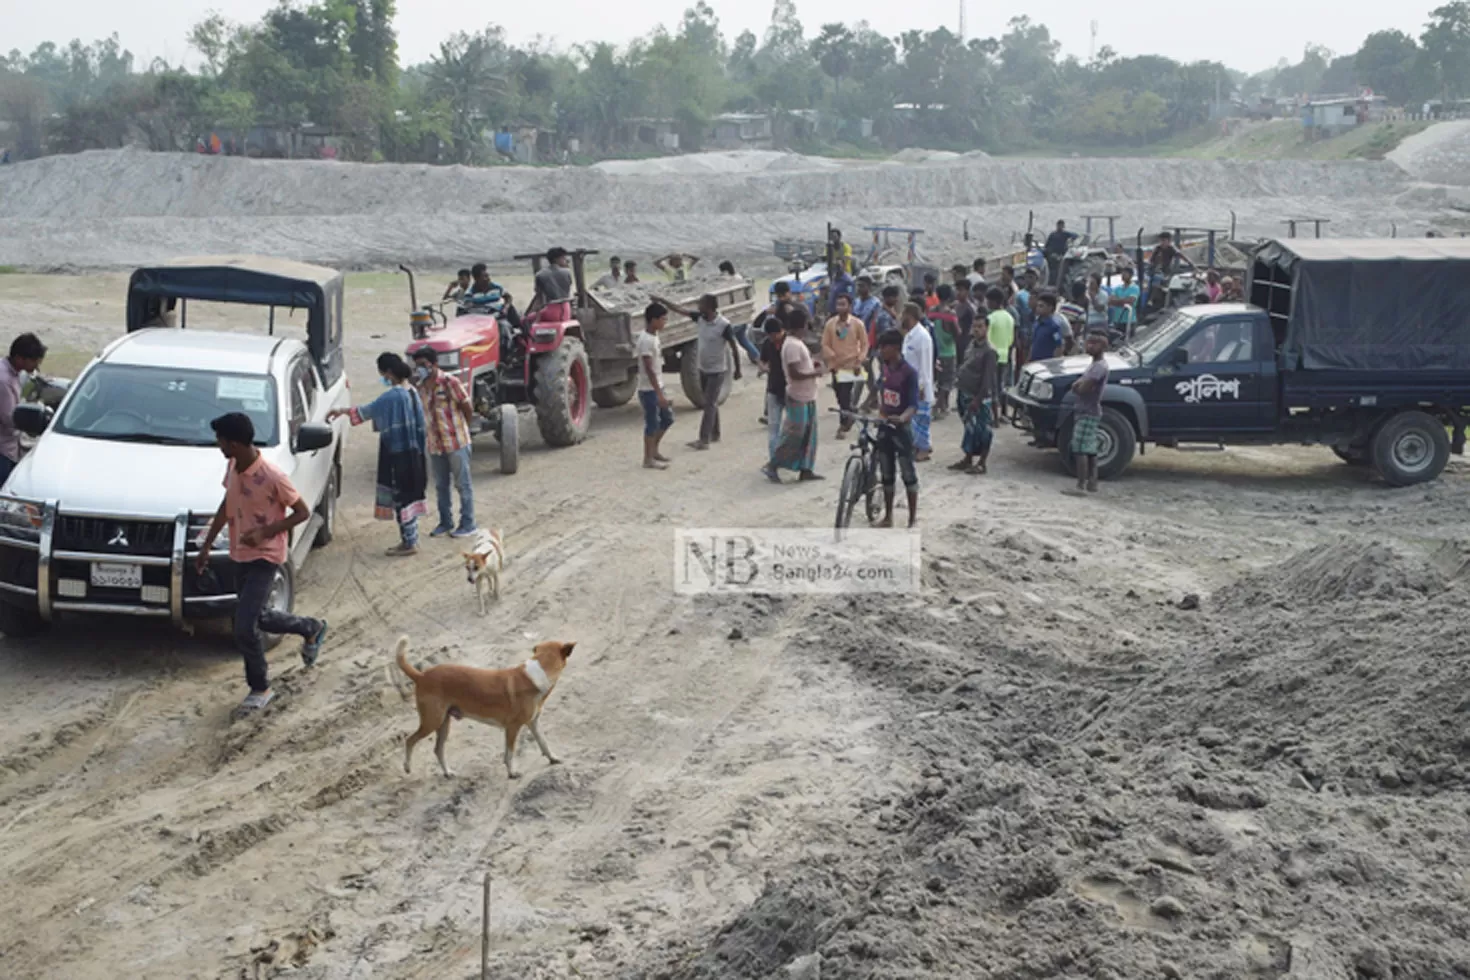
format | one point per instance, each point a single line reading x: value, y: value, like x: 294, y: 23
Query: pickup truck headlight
x: 20, y: 518
x: 1041, y: 390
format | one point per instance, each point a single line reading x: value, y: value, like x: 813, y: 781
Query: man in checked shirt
x: 448, y: 411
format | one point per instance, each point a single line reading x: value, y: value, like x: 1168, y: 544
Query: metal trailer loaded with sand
x: 1211, y: 724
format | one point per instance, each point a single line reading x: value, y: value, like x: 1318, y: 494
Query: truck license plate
x: 112, y: 575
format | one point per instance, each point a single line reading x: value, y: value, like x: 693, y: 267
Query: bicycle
x: 860, y: 477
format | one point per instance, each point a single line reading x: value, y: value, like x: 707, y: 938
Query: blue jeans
x: 656, y: 420
x: 742, y: 337
x: 457, y: 465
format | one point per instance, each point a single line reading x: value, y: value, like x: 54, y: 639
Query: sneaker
x: 402, y: 551
x: 313, y: 648
x: 256, y: 700
x: 440, y: 531
x: 464, y: 532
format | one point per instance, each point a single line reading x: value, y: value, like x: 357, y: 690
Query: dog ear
x: 566, y: 650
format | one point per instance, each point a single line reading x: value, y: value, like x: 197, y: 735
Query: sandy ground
x: 1045, y: 764
x: 119, y: 209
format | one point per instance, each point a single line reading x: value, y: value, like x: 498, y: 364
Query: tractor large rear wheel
x: 564, y: 394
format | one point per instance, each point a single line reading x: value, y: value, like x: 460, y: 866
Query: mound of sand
x: 1348, y: 571
x: 1439, y: 155
x: 121, y: 208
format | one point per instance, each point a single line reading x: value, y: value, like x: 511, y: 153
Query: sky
x: 1235, y: 32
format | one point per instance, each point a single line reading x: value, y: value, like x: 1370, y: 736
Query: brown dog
x: 510, y: 699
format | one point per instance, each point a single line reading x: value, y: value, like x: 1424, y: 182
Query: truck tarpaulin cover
x: 252, y: 281
x: 1371, y: 304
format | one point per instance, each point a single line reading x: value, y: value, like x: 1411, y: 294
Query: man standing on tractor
x: 1058, y: 243
x: 614, y: 275
x: 553, y: 302
x: 840, y: 252
x: 673, y: 267
x: 447, y: 412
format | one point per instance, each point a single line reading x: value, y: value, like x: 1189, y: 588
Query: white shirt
x: 918, y: 350
x: 647, y: 345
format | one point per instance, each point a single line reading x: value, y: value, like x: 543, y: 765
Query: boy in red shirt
x: 260, y: 507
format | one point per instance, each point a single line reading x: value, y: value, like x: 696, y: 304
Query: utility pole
x: 1092, y: 45
x: 962, y: 20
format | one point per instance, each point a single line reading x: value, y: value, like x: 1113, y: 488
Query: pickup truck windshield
x: 1163, y: 336
x: 133, y: 403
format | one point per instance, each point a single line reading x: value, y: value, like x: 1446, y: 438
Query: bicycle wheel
x: 852, y: 489
x: 871, y: 483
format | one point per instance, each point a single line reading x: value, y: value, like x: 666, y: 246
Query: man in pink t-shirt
x: 260, y: 507
x: 795, y: 447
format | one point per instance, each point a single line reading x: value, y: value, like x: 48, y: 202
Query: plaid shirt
x: 449, y: 431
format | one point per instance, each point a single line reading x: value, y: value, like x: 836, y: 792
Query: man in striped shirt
x: 447, y: 412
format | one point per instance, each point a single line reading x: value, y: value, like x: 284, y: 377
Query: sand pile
x: 1224, y: 801
x: 1347, y: 571
x: 121, y: 208
x: 635, y: 298
x: 1439, y: 155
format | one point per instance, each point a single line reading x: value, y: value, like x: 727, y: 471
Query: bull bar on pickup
x: 30, y: 527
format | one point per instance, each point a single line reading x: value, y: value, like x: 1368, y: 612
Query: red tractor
x: 508, y: 364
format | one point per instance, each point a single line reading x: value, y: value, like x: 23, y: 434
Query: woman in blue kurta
x: 397, y: 416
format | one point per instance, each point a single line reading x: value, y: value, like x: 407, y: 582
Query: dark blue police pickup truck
x: 1361, y: 345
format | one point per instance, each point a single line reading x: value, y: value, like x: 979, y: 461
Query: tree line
x: 334, y: 64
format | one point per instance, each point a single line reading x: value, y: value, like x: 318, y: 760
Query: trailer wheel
x: 1116, y: 444
x: 563, y: 394
x: 689, y: 375
x: 611, y: 396
x: 1410, y: 448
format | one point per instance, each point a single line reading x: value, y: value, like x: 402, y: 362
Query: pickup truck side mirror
x: 313, y: 436
x: 1178, y: 357
x: 32, y: 419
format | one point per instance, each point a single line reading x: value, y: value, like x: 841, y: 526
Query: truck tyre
x: 1117, y: 444
x: 564, y: 394
x: 328, y: 508
x: 611, y: 396
x: 508, y: 432
x: 689, y: 375
x: 1410, y: 448
x: 282, y: 598
x: 18, y: 623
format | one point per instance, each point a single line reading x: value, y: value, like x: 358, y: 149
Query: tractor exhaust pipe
x: 413, y: 294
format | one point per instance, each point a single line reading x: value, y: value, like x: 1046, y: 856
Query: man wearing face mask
x: 448, y: 411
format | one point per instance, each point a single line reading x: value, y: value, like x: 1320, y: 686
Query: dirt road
x: 1001, y: 776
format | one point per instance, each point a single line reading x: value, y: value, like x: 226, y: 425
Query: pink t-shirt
x: 796, y: 357
x: 261, y: 495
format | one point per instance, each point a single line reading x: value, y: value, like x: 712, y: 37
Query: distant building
x: 735, y: 130
x: 1329, y: 116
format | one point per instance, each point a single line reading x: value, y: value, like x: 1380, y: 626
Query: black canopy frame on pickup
x: 1358, y: 304
x: 251, y: 281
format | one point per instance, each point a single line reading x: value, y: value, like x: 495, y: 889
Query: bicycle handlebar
x: 865, y: 419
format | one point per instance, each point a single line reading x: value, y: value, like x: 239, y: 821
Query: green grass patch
x: 9, y: 270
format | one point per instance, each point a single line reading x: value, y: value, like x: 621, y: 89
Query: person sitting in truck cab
x: 484, y: 295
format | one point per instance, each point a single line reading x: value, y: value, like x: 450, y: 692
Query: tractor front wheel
x: 564, y: 394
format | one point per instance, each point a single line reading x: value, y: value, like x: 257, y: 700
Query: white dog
x: 483, y: 564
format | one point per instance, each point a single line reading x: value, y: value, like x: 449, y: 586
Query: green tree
x: 835, y: 50
x: 1388, y: 63
x: 469, y: 74
x: 1446, y: 43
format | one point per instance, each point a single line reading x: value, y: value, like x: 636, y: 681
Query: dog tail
x: 402, y: 656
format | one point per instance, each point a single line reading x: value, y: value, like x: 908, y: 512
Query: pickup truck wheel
x: 564, y: 394
x: 611, y: 396
x: 689, y: 375
x: 509, y: 434
x: 328, y: 508
x: 1117, y: 444
x: 18, y: 623
x: 1410, y: 448
x: 282, y: 598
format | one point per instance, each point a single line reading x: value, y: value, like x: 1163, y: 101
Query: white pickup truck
x: 104, y: 515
